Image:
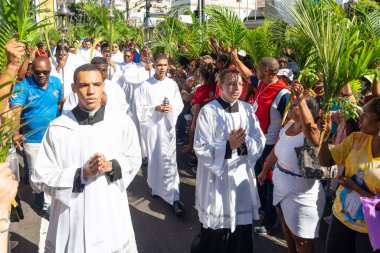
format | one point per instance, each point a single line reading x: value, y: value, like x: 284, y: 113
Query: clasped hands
x: 237, y: 138
x: 96, y: 165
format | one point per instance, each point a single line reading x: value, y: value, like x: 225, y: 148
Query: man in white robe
x: 228, y: 141
x: 117, y: 56
x: 128, y: 76
x: 158, y: 103
x: 113, y: 94
x: 84, y: 53
x: 63, y: 67
x: 87, y: 160
x: 131, y: 79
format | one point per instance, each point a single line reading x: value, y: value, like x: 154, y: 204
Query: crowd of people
x: 86, y: 120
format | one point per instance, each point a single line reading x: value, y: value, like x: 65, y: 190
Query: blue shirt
x: 136, y: 57
x: 40, y: 106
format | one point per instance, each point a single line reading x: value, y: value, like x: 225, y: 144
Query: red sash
x: 264, y: 97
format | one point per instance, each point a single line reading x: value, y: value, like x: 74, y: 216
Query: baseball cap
x: 286, y: 72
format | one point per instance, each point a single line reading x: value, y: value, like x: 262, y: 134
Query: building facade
x: 244, y: 8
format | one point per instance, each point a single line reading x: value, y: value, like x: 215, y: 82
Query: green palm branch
x: 261, y: 42
x: 168, y: 34
x: 225, y: 25
x: 196, y: 36
x: 342, y: 53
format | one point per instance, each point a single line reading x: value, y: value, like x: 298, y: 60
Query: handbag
x: 372, y: 219
x: 308, y: 163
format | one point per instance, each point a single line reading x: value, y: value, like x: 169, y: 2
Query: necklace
x: 262, y: 90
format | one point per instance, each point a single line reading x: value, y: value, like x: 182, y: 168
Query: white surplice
x: 96, y: 220
x: 85, y: 53
x: 159, y: 134
x: 66, y: 74
x: 226, y: 189
x: 115, y: 98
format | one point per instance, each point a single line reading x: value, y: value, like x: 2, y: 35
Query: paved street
x: 157, y: 229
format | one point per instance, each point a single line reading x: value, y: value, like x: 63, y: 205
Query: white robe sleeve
x: 121, y: 99
x: 118, y: 76
x: 130, y: 159
x: 70, y: 103
x: 143, y: 108
x: 177, y: 106
x: 254, y: 140
x: 209, y: 151
x: 49, y: 176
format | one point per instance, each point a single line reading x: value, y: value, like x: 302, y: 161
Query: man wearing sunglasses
x: 36, y: 102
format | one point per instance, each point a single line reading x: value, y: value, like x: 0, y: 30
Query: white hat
x: 286, y: 72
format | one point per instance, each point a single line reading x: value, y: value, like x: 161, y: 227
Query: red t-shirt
x: 40, y: 52
x: 205, y: 93
x: 244, y: 91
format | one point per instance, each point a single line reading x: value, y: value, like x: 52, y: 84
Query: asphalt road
x: 156, y: 228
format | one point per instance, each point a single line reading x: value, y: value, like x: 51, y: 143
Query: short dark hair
x: 85, y: 68
x: 313, y: 106
x: 128, y: 50
x: 40, y: 44
x: 184, y: 61
x: 226, y: 72
x: 103, y: 46
x: 64, y: 41
x: 59, y: 48
x: 207, y: 73
x: 99, y: 60
x: 225, y: 59
x: 160, y: 57
x: 374, y: 106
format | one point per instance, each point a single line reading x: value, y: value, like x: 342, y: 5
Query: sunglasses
x: 39, y: 72
x: 115, y: 46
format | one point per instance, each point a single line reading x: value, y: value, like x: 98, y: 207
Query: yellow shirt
x: 355, y: 153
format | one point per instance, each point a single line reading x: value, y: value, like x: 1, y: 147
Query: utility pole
x: 127, y: 10
x: 199, y: 7
x: 203, y: 14
x: 147, y: 9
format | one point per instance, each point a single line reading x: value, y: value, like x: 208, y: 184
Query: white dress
x: 302, y: 200
x: 96, y: 220
x: 226, y: 189
x: 159, y: 135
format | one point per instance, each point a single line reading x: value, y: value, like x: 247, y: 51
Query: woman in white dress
x: 299, y: 202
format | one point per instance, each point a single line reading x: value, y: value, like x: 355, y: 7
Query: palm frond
x: 225, y: 25
x: 261, y: 42
x: 168, y: 35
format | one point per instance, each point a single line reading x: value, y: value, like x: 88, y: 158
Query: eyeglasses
x: 39, y: 72
x: 127, y: 55
x: 115, y: 46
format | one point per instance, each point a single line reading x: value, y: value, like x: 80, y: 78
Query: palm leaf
x: 168, y: 35
x: 261, y: 42
x: 225, y: 25
x: 342, y: 53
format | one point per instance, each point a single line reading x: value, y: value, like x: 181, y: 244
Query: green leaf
x: 226, y: 25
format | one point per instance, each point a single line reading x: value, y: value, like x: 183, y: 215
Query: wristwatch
x: 4, y: 225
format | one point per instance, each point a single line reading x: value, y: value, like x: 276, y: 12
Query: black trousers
x: 342, y: 239
x: 223, y: 241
